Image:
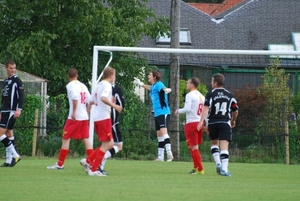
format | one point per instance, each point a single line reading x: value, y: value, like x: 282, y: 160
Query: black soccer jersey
x: 12, y: 94
x: 118, y: 94
x: 221, y: 103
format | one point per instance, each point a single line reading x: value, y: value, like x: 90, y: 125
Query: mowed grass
x: 148, y: 180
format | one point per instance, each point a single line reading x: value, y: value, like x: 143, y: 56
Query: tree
x: 278, y: 97
x: 46, y: 38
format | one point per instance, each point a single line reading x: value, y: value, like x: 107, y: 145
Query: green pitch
x: 146, y: 180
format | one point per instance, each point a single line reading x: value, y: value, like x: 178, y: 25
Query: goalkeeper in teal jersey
x: 161, y: 109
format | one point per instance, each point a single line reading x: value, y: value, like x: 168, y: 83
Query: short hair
x: 107, y: 72
x: 72, y: 73
x: 195, y: 81
x: 219, y: 79
x: 9, y: 62
x: 156, y: 74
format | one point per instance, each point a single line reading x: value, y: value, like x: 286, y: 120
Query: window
x: 184, y: 38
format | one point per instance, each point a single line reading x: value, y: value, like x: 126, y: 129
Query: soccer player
x: 102, y: 100
x: 77, y: 124
x: 160, y: 106
x: 194, y: 103
x: 11, y: 107
x: 117, y: 94
x: 223, y: 111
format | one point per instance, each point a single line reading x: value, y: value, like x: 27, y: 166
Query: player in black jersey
x: 117, y: 94
x: 222, y: 110
x: 11, y: 107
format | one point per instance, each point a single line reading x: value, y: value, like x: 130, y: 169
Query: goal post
x: 220, y: 54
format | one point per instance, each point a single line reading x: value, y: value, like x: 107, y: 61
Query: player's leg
x: 118, y: 146
x: 9, y: 157
x: 6, y: 123
x: 225, y: 138
x: 84, y: 135
x: 167, y: 141
x: 214, y: 142
x: 192, y: 135
x: 161, y: 141
x: 69, y: 130
x: 103, y: 128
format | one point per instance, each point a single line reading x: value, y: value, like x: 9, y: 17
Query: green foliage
x: 137, y: 136
x: 278, y: 96
x: 24, y: 126
x: 56, y: 115
x: 46, y: 38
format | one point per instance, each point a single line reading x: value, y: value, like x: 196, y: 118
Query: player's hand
x: 176, y: 112
x: 118, y: 108
x: 199, y: 126
x: 137, y: 81
x: 17, y: 114
x: 232, y: 124
x: 73, y: 116
x: 167, y: 90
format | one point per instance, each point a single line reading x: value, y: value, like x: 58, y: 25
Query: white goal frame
x: 112, y: 49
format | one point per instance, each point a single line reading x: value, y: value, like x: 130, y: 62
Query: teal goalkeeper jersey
x: 159, y: 99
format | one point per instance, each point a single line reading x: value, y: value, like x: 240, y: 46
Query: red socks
x: 98, y: 159
x: 62, y: 156
x: 197, y: 159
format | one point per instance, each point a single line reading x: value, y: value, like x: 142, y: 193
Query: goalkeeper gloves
x: 167, y: 90
x: 137, y: 81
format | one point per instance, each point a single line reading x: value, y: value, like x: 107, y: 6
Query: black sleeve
x: 120, y: 98
x: 20, y: 89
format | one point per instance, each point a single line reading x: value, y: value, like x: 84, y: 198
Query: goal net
x: 262, y: 115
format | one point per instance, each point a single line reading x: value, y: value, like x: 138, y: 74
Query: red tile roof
x: 214, y: 9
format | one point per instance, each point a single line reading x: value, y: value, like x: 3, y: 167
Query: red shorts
x: 192, y: 135
x: 76, y: 129
x: 104, y: 130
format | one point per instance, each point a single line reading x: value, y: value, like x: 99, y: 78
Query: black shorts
x: 117, y: 133
x: 162, y: 121
x: 7, y: 120
x: 220, y: 131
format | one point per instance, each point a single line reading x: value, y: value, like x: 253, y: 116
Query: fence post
x: 36, y: 118
x: 286, y: 132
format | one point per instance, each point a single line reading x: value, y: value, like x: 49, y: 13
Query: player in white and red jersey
x: 76, y: 126
x: 194, y: 102
x: 102, y: 100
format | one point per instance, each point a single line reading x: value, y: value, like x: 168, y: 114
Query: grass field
x: 147, y: 180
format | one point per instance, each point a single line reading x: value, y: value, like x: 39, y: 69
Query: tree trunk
x: 174, y: 78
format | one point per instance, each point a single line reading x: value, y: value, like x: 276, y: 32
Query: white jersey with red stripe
x: 193, y: 106
x: 101, y: 110
x: 78, y: 91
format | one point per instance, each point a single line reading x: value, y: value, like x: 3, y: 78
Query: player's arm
x: 203, y: 116
x: 20, y: 91
x: 73, y: 115
x: 187, y: 105
x: 234, y: 113
x: 105, y: 100
x: 141, y: 84
x: 121, y: 99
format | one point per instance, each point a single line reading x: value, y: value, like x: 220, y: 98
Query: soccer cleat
x: 85, y: 165
x: 5, y: 165
x: 102, y: 171
x: 55, y: 167
x: 158, y: 160
x: 170, y: 158
x: 96, y: 173
x: 218, y: 168
x: 195, y: 171
x: 14, y: 161
x: 224, y: 173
